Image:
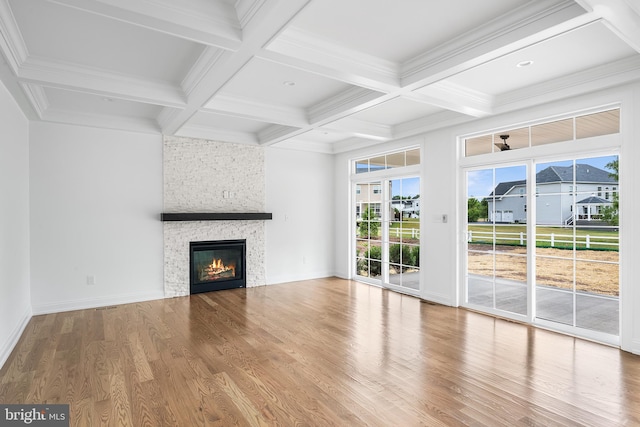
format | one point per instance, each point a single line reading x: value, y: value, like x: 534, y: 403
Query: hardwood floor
x: 320, y: 352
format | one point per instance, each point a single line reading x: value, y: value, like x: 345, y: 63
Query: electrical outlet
x: 91, y: 280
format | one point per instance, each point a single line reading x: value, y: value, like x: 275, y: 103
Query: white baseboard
x: 291, y: 278
x: 7, y: 347
x: 438, y: 298
x: 57, y: 307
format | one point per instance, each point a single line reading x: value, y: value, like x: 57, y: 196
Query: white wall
x: 439, y: 245
x: 96, y: 198
x: 300, y: 242
x: 15, y: 307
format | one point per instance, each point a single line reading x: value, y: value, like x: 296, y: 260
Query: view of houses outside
x: 567, y: 193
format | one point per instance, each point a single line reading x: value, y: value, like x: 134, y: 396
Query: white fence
x: 412, y: 233
x: 553, y: 239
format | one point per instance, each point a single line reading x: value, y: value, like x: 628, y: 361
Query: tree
x: 476, y: 209
x: 368, y: 227
x: 610, y: 213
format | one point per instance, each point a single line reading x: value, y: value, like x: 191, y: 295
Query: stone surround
x: 198, y: 174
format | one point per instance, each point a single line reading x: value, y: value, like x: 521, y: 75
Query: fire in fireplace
x: 217, y: 265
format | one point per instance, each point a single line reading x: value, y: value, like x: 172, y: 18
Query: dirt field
x: 593, y: 274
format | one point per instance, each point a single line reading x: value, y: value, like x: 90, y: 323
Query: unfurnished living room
x: 319, y: 212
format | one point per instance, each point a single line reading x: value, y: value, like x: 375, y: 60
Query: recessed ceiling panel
x: 581, y: 49
x: 271, y: 83
x: 397, y: 30
x: 396, y: 111
x: 323, y: 136
x: 52, y: 31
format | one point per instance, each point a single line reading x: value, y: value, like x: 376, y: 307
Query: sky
x: 405, y: 187
x: 480, y: 182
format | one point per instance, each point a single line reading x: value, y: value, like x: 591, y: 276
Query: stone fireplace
x: 212, y: 192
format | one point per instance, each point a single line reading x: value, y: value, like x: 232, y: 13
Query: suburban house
x: 562, y: 198
x: 133, y: 132
x: 407, y: 208
x: 368, y: 196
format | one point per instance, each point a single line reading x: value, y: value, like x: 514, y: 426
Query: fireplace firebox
x: 217, y: 265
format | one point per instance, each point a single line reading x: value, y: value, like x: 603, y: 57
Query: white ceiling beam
x: 265, y: 24
x: 275, y: 133
x: 205, y: 132
x: 345, y: 103
x: 73, y: 77
x: 134, y: 124
x: 361, y: 128
x: 454, y: 97
x: 621, y: 16
x: 212, y: 23
x: 252, y: 110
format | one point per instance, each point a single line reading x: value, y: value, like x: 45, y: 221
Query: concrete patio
x: 595, y: 312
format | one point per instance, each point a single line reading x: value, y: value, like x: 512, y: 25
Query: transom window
x: 388, y: 161
x: 570, y: 129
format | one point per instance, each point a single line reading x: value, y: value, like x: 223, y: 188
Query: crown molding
x: 524, y: 26
x: 204, y: 132
x: 209, y: 58
x: 621, y: 16
x: 37, y: 97
x: 253, y: 110
x: 347, y: 102
x: 212, y: 23
x: 351, y: 144
x: 11, y: 41
x: 247, y: 9
x: 429, y: 123
x: 301, y: 144
x: 167, y: 115
x: 276, y: 133
x: 131, y: 124
x: 64, y: 75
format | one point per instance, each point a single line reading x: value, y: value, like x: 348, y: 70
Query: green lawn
x: 406, y: 224
x: 557, y: 237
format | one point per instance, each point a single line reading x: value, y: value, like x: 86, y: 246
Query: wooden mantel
x: 210, y: 216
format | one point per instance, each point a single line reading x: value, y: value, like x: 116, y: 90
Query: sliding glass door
x: 567, y: 275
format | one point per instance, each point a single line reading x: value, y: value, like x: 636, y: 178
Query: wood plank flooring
x: 319, y: 352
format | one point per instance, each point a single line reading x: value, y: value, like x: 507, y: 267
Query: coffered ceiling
x: 322, y: 75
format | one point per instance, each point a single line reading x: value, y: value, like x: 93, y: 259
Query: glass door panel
x: 403, y: 233
x: 577, y: 248
x: 497, y: 239
x: 368, y: 238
